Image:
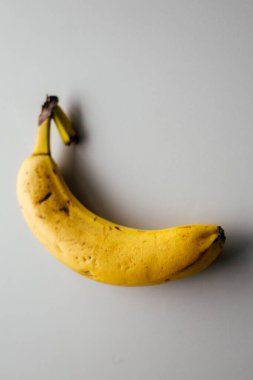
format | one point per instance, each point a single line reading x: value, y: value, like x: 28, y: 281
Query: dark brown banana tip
x: 222, y: 235
x: 74, y: 140
x: 47, y: 108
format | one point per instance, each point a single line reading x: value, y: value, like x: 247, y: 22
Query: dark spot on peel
x: 117, y: 228
x: 45, y: 198
x: 64, y: 209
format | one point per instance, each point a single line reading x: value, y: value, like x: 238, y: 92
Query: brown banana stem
x: 47, y: 108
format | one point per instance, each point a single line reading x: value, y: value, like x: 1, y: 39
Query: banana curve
x: 102, y: 250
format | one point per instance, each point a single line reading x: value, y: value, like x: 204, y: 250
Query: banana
x: 92, y: 246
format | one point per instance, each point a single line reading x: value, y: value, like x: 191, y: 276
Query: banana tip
x: 222, y: 235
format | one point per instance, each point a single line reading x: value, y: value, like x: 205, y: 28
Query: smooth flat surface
x: 161, y: 92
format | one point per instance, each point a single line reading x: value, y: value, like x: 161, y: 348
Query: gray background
x: 161, y: 92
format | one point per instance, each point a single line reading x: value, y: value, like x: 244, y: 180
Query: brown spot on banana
x: 45, y: 197
x: 64, y: 209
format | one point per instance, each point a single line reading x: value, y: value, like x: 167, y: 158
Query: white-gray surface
x: 161, y: 92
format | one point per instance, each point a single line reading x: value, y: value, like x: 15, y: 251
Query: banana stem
x: 63, y: 124
x: 42, y: 145
x: 50, y: 109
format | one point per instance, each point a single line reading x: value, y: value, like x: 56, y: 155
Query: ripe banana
x: 92, y: 246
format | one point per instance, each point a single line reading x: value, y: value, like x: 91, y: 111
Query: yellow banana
x: 92, y: 246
